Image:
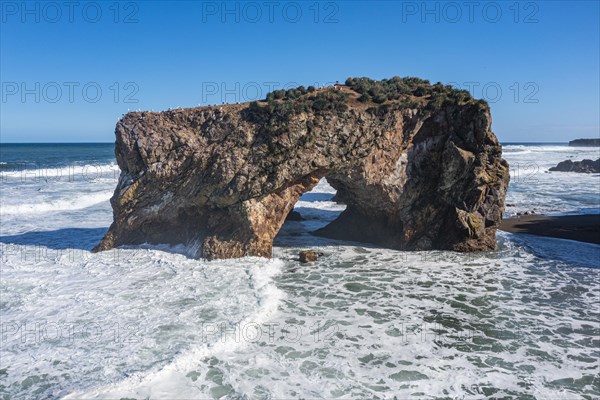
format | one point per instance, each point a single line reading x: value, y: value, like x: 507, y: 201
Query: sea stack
x: 416, y: 164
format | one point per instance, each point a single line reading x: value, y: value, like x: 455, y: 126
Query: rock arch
x: 223, y: 179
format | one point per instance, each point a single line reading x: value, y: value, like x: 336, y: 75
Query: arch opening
x: 314, y: 210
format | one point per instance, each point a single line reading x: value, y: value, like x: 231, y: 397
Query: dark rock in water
x: 526, y: 213
x: 294, y: 216
x: 584, y: 166
x: 585, y: 143
x: 420, y: 171
x: 307, y: 256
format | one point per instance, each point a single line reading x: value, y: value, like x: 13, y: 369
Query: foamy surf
x: 28, y: 193
x: 174, y: 377
x: 534, y: 188
x: 362, y: 322
x: 45, y: 204
x: 26, y: 172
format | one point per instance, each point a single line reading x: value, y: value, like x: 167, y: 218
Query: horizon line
x: 112, y: 142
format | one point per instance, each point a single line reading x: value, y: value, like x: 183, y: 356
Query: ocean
x: 362, y: 322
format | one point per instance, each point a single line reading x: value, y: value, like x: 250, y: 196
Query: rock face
x: 585, y: 142
x: 416, y: 172
x: 584, y: 166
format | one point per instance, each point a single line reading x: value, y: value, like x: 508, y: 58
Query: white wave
x: 324, y: 187
x: 88, y: 172
x: 547, y: 148
x: 374, y: 296
x: 174, y: 378
x: 321, y: 205
x: 76, y: 202
x: 534, y: 188
x: 520, y: 152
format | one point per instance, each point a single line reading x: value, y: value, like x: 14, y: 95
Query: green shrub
x: 319, y: 104
x: 393, y: 93
x: 461, y: 96
x: 420, y: 91
x: 364, y: 98
x: 379, y: 99
x: 271, y: 105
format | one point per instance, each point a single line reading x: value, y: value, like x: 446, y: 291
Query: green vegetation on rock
x: 380, y: 96
x: 406, y: 92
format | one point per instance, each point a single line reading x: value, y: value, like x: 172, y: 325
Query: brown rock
x: 223, y: 179
x: 307, y: 256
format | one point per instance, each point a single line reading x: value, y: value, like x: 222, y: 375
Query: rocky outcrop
x: 421, y: 170
x: 584, y: 166
x: 585, y: 143
x: 306, y: 256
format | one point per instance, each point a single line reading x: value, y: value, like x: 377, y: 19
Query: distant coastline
x: 534, y: 143
x: 585, y: 142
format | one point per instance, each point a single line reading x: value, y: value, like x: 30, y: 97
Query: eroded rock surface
x: 421, y: 171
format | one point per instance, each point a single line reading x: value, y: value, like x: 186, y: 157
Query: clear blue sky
x: 181, y: 54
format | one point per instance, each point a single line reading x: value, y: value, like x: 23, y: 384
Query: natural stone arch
x: 223, y: 179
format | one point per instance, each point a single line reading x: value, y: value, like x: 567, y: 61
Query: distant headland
x: 585, y: 142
